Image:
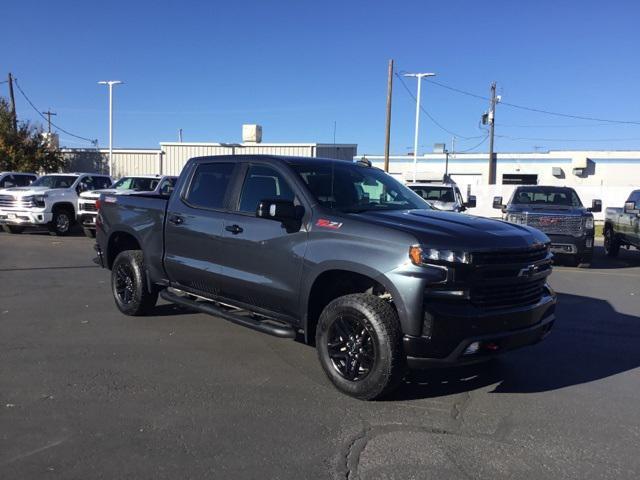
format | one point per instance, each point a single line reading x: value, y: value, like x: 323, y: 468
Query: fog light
x: 472, y: 348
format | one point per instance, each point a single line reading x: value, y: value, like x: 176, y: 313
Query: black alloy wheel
x: 350, y: 347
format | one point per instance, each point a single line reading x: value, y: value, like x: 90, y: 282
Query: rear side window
x: 263, y: 183
x: 209, y: 185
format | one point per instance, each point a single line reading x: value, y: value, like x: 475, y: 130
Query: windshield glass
x: 546, y: 196
x: 136, y: 183
x: 55, y: 181
x: 354, y: 188
x: 434, y: 194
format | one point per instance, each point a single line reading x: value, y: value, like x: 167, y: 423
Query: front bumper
x: 456, y: 328
x: 24, y: 217
x: 87, y: 220
x: 574, y: 246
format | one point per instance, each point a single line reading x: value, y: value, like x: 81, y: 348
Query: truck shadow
x: 590, y: 341
x: 625, y: 259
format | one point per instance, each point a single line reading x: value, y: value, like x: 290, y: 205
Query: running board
x: 281, y: 331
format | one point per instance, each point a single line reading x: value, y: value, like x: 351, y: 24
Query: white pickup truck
x: 51, y: 201
x: 87, y: 207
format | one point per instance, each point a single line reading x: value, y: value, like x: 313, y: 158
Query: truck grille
x: 88, y: 207
x: 9, y: 201
x: 513, y: 294
x: 529, y: 255
x: 555, y: 224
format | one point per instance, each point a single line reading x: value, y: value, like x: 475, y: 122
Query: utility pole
x: 110, y: 84
x: 387, y: 137
x: 492, y: 121
x: 48, y: 113
x: 419, y: 77
x: 180, y: 135
x: 14, y: 117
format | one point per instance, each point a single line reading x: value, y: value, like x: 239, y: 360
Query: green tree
x: 25, y: 149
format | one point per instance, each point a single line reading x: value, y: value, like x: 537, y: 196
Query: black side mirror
x: 631, y: 207
x: 497, y: 203
x: 471, y: 202
x: 279, y: 210
x: 596, y: 206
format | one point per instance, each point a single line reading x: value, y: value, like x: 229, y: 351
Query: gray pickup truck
x: 622, y: 225
x: 339, y: 254
x: 559, y: 213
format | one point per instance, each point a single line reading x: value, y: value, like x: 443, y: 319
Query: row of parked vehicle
x: 556, y: 211
x: 60, y: 200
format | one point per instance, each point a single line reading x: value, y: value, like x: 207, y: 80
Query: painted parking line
x: 594, y: 272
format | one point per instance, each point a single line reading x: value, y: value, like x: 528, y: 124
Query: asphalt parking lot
x: 86, y: 392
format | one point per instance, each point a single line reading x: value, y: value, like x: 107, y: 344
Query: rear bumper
x: 523, y: 326
x: 24, y: 217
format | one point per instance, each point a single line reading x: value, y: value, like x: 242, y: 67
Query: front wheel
x: 129, y: 286
x: 61, y: 223
x: 360, y: 346
x: 12, y: 229
x: 611, y: 244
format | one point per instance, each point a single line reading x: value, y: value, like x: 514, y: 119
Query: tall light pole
x: 419, y: 76
x: 110, y: 83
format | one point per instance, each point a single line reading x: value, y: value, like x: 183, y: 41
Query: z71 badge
x: 323, y: 222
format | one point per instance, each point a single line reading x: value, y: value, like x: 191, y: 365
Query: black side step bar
x: 282, y: 331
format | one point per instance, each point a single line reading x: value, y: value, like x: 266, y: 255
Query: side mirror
x: 596, y: 206
x: 279, y: 210
x: 471, y: 202
x: 497, y: 203
x: 631, y: 207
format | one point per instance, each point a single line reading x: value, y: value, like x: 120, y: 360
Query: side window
x: 262, y: 183
x: 23, y: 180
x: 635, y: 197
x: 7, y: 182
x: 101, y: 183
x: 209, y: 185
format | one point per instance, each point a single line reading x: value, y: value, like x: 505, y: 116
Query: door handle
x: 176, y: 219
x: 235, y: 229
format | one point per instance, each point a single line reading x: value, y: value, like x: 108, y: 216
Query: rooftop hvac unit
x: 251, y: 133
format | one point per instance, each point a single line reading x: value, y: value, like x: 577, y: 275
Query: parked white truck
x: 87, y: 206
x: 51, y: 201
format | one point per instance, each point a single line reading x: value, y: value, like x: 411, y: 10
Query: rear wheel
x: 61, y: 223
x: 12, y: 229
x: 129, y: 286
x: 360, y: 347
x: 611, y: 244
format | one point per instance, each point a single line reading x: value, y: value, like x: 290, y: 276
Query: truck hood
x: 26, y: 191
x: 457, y: 231
x: 548, y: 209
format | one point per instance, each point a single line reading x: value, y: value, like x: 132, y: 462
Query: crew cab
x: 443, y: 196
x: 559, y: 213
x: 51, y: 200
x: 339, y: 254
x: 622, y: 225
x: 87, y: 204
x: 16, y: 179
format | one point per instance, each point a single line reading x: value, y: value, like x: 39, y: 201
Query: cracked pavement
x: 88, y: 393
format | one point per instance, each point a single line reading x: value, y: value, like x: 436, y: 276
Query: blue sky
x: 296, y: 67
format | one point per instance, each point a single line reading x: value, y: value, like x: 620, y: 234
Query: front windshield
x: 434, y: 194
x: 355, y: 188
x: 136, y: 183
x: 55, y: 181
x: 546, y: 196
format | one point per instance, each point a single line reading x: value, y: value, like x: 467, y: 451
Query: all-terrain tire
x: 611, y: 243
x: 129, y: 285
x: 376, y: 320
x: 12, y: 229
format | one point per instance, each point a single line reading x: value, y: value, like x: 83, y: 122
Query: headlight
x: 588, y: 223
x: 420, y: 256
x: 38, y: 200
x: 515, y: 218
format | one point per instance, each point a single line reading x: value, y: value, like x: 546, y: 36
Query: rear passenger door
x: 262, y: 264
x: 193, y: 228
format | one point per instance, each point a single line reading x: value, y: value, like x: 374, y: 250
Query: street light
x: 110, y: 83
x: 419, y: 76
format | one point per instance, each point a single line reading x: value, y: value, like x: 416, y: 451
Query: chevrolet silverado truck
x: 339, y: 254
x: 87, y: 210
x: 622, y: 226
x: 559, y: 213
x: 51, y: 201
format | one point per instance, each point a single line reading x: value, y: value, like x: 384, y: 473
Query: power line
x: 571, y: 139
x: 475, y: 146
x: 438, y: 124
x: 538, y: 110
x: 92, y: 141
